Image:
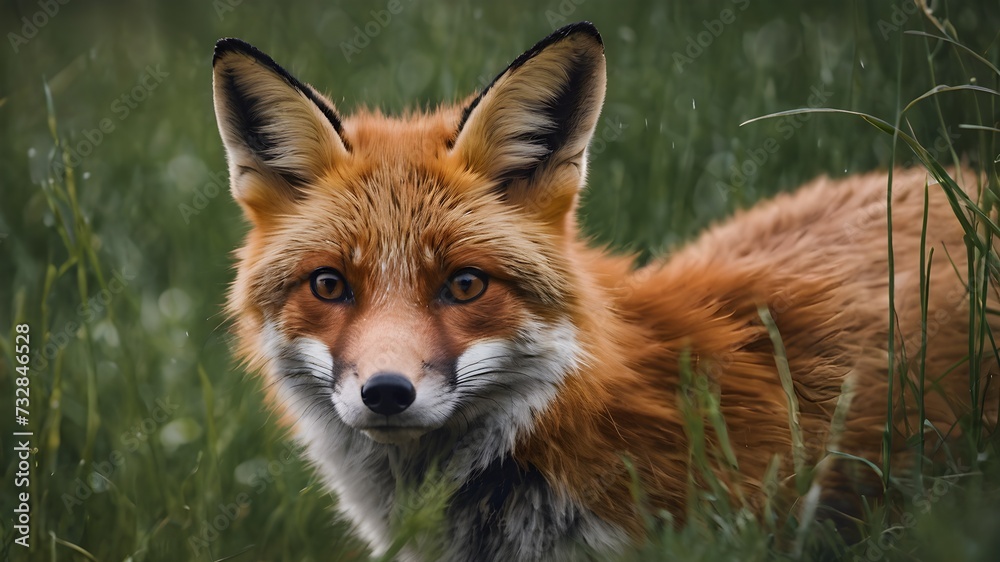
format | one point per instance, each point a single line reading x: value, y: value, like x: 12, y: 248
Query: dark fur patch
x: 482, y: 500
x: 243, y: 117
x: 564, y: 111
x: 585, y: 27
x: 232, y: 45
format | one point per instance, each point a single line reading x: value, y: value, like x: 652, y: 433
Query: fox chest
x: 501, y: 513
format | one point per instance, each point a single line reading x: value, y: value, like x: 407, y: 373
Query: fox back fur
x: 417, y: 296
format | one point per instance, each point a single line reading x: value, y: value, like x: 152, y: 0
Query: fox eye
x: 466, y: 285
x: 329, y: 285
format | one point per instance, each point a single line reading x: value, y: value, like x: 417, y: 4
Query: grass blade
x: 803, y: 477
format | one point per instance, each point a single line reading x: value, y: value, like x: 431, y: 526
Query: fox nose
x: 388, y: 393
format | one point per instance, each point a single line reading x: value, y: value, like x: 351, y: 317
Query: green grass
x: 151, y: 444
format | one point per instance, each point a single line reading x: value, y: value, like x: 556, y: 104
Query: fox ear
x: 280, y: 134
x: 528, y: 130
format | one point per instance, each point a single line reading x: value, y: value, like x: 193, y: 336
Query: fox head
x: 404, y: 276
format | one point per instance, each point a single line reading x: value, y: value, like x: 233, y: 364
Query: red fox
x: 416, y: 293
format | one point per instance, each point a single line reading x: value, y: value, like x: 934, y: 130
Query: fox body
x: 417, y: 297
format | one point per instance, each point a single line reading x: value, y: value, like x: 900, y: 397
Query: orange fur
x: 818, y: 259
x: 397, y: 205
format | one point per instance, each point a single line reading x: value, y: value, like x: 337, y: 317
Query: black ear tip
x: 584, y: 27
x: 228, y: 45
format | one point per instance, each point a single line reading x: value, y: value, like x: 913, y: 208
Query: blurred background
x: 116, y: 226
